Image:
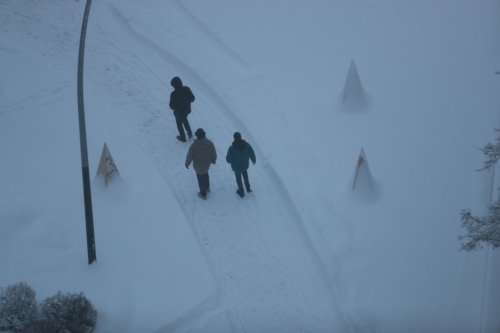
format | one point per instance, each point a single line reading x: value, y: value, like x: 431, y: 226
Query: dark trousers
x: 245, y: 178
x: 183, y: 120
x: 203, y: 183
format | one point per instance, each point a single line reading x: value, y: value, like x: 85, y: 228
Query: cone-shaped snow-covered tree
x: 107, y: 168
x: 363, y: 178
x: 353, y: 89
x: 364, y: 188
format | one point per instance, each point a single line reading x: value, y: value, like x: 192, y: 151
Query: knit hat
x: 200, y: 133
x: 237, y: 136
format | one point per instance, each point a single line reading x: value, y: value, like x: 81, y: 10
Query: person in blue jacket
x: 238, y: 155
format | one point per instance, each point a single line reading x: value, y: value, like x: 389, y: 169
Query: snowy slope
x: 303, y: 253
x: 43, y: 238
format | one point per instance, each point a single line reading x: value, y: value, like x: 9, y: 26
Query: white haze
x: 304, y: 252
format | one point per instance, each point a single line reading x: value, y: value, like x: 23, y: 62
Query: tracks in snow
x: 268, y: 274
x: 45, y: 97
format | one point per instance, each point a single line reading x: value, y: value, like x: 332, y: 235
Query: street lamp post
x: 87, y: 197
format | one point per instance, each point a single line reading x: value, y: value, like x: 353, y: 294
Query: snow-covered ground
x: 304, y: 252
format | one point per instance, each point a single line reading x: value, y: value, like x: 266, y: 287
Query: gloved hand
x: 187, y: 166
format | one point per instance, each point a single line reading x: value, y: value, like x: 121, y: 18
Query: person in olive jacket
x: 180, y: 101
x: 202, y: 153
x: 238, y: 155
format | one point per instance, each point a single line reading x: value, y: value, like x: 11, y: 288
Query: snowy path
x: 301, y: 253
x: 269, y: 276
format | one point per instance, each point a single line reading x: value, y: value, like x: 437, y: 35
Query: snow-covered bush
x: 42, y: 325
x: 65, y: 313
x: 484, y: 229
x: 17, y: 306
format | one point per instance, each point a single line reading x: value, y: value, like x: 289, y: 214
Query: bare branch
x: 492, y: 153
x: 481, y: 229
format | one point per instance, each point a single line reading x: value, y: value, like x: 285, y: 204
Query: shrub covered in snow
x: 65, y: 313
x: 42, y: 325
x: 17, y: 306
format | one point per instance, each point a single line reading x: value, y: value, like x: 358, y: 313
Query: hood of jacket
x: 176, y: 82
x: 239, y: 144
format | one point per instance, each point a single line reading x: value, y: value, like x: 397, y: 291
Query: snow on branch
x: 17, y: 306
x: 481, y: 229
x: 492, y: 153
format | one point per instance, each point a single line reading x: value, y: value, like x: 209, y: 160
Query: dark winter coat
x: 181, y: 98
x: 202, y: 153
x: 239, y: 155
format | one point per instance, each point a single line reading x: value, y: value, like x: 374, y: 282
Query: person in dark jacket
x: 202, y: 153
x: 238, y: 155
x: 180, y: 101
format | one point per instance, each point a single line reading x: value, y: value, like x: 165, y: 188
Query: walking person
x: 180, y: 102
x: 202, y: 153
x: 238, y: 155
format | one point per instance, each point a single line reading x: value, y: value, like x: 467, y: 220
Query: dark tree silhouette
x: 483, y: 229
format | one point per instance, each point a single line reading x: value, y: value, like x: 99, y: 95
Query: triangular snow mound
x: 363, y: 179
x: 107, y: 167
x: 363, y: 187
x: 353, y: 89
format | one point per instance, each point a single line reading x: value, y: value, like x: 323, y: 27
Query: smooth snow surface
x: 305, y: 252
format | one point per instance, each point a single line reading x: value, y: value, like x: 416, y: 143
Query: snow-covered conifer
x: 107, y: 168
x: 353, y: 89
x: 362, y: 175
x: 17, y: 306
